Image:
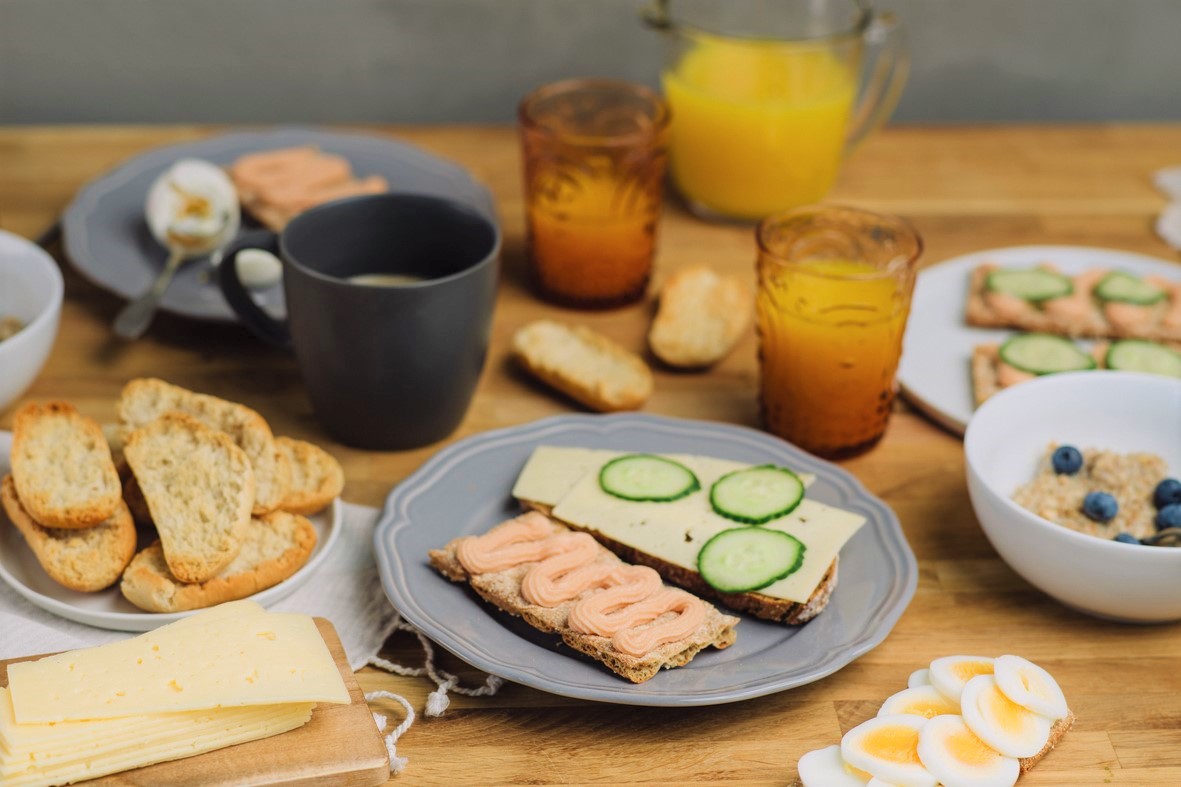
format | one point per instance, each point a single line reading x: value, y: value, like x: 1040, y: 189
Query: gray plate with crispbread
x: 465, y: 489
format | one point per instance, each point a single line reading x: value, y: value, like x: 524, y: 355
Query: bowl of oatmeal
x: 1127, y: 427
x: 30, y: 307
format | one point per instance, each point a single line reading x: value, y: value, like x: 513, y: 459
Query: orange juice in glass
x: 834, y: 294
x: 765, y: 97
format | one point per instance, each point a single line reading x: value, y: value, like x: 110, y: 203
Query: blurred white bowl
x: 31, y: 291
x: 1006, y: 437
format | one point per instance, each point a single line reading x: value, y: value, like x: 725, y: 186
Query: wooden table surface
x: 965, y: 189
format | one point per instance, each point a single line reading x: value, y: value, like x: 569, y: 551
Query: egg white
x: 825, y: 768
x: 924, y: 701
x: 920, y: 677
x: 1030, y: 686
x: 937, y: 750
x: 1001, y: 723
x: 950, y: 673
x: 856, y: 751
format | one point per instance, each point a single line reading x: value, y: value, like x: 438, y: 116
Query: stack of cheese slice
x: 966, y: 721
x: 232, y: 674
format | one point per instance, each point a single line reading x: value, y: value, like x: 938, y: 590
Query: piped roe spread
x: 1076, y: 495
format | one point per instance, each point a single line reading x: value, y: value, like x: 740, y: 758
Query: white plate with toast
x: 108, y: 609
x: 934, y: 372
x: 465, y: 489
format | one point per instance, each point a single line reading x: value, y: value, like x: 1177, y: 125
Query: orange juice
x: 758, y: 126
x: 830, y: 338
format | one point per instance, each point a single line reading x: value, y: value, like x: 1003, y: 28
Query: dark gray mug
x: 386, y: 367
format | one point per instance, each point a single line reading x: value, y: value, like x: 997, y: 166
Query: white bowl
x: 1006, y: 437
x: 30, y: 290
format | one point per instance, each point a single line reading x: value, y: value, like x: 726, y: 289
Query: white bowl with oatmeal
x: 1005, y: 448
x: 30, y: 308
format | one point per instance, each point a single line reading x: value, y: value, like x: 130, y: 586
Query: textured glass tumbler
x: 594, y: 157
x: 834, y: 294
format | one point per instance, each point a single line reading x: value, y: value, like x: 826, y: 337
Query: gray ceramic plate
x: 107, y: 240
x: 464, y: 489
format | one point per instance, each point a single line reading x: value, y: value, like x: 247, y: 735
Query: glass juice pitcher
x: 765, y: 96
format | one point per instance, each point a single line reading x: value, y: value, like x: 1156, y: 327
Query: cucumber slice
x: 1032, y: 284
x: 1137, y: 355
x: 647, y: 478
x: 1126, y: 288
x: 757, y: 494
x: 1039, y: 353
x: 749, y: 558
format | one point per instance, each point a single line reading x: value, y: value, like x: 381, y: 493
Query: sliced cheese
x: 676, y: 531
x: 211, y: 660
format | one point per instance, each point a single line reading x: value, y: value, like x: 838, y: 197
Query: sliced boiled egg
x: 950, y: 673
x: 920, y: 677
x: 1030, y: 686
x: 195, y: 200
x: 887, y: 747
x: 876, y: 782
x: 826, y: 768
x: 1004, y: 725
x: 956, y: 756
x: 925, y: 701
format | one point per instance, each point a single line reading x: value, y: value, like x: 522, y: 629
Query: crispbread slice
x: 584, y: 365
x: 986, y: 371
x: 198, y: 485
x: 85, y: 559
x: 277, y: 545
x: 701, y: 315
x: 502, y: 589
x: 145, y: 400
x: 316, y: 477
x: 62, y: 466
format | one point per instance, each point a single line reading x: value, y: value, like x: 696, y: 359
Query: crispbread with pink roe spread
x: 588, y: 596
x: 1080, y: 314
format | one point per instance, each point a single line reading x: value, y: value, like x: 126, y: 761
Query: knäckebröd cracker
x: 316, y: 477
x: 701, y: 316
x: 199, y: 486
x: 62, y: 466
x: 145, y: 400
x: 86, y: 559
x: 277, y: 545
x: 584, y: 365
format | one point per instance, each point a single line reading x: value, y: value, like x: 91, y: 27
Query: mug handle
x: 891, y: 67
x: 263, y: 325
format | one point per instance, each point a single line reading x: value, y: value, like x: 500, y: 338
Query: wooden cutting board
x: 339, y: 746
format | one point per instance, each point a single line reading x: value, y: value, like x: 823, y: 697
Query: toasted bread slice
x: 753, y: 603
x: 145, y: 400
x: 83, y: 559
x: 702, y: 315
x: 277, y: 546
x: 584, y: 365
x: 502, y: 589
x: 62, y: 466
x: 198, y: 485
x: 316, y: 477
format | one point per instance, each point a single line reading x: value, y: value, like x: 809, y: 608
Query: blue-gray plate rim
x: 465, y: 489
x: 106, y: 240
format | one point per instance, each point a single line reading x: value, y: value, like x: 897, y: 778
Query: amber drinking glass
x: 834, y: 294
x: 595, y: 154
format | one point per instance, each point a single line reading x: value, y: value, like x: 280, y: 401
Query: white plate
x: 108, y: 609
x: 935, y: 370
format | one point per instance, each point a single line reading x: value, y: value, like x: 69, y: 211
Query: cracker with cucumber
x: 1028, y: 355
x: 1097, y: 303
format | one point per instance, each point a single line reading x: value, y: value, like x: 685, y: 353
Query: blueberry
x: 1100, y: 506
x: 1126, y: 538
x: 1169, y: 516
x: 1167, y: 493
x: 1067, y: 460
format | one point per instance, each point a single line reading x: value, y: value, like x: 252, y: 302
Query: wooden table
x: 965, y: 189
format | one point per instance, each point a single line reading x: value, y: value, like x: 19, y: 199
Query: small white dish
x: 1117, y: 411
x: 31, y: 291
x: 934, y: 372
x: 107, y: 609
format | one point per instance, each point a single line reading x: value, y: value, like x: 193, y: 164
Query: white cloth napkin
x: 345, y: 589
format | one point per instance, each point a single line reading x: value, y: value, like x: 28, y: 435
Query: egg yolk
x: 968, y: 749
x: 966, y: 670
x: 932, y: 708
x: 894, y: 744
x: 1008, y: 714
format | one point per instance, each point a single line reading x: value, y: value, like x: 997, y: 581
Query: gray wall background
x: 470, y: 60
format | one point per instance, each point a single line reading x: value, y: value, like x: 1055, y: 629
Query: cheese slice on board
x: 676, y: 531
x: 221, y: 658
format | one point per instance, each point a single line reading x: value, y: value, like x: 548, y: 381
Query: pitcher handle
x: 891, y: 66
